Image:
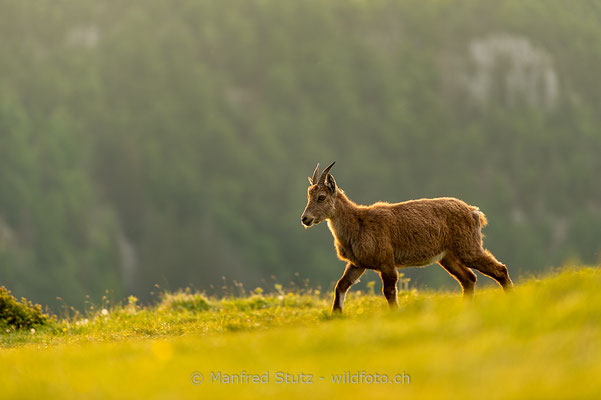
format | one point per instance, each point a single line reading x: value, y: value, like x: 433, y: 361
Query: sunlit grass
x: 543, y: 341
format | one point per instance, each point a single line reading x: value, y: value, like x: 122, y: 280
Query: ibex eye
x: 321, y: 198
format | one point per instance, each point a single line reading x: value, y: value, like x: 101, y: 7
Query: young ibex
x: 384, y: 237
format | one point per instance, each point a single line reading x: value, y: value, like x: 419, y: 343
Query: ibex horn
x: 324, y: 174
x: 315, y: 173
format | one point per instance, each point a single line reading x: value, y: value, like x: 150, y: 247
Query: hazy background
x: 149, y: 142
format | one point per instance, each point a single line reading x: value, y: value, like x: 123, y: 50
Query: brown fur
x: 384, y: 237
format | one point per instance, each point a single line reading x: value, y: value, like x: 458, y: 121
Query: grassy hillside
x: 543, y: 341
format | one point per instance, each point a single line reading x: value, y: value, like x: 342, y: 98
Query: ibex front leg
x: 390, y: 276
x: 351, y: 275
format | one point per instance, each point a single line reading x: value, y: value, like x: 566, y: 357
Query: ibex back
x: 384, y: 237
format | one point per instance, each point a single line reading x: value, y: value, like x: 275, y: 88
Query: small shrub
x: 180, y: 301
x: 257, y: 302
x: 20, y: 315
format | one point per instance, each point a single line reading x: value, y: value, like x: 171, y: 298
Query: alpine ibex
x: 384, y: 237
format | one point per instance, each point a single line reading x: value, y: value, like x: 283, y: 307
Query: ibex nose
x: 306, y: 220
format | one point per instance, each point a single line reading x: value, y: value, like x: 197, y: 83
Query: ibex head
x: 321, y: 198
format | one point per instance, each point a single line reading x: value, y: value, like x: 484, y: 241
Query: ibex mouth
x: 307, y: 222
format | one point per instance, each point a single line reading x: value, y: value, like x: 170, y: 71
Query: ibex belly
x: 419, y: 262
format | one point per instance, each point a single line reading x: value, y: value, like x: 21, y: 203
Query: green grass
x: 543, y: 341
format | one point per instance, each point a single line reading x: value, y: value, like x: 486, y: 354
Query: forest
x: 151, y: 143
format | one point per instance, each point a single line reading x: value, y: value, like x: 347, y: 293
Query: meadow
x: 543, y: 341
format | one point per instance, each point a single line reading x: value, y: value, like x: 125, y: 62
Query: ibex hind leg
x: 486, y: 263
x: 465, y: 276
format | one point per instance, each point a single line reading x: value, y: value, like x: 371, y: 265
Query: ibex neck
x: 344, y: 220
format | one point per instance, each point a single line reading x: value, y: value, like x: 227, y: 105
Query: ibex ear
x: 331, y: 183
x: 310, y: 180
